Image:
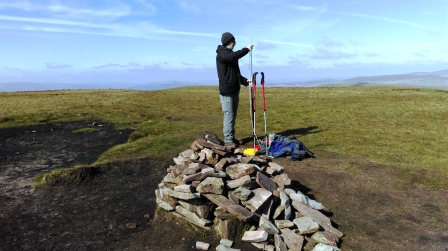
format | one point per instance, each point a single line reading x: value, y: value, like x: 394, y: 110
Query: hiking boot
x: 237, y: 142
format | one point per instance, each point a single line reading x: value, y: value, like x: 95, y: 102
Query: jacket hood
x: 220, y: 48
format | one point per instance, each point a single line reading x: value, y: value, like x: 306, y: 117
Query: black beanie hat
x: 226, y: 38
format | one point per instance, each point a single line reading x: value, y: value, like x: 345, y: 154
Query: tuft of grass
x: 85, y: 130
x: 404, y: 128
x: 72, y: 175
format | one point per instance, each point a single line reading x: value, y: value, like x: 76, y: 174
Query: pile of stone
x: 248, y: 197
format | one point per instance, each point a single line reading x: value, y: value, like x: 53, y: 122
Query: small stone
x: 255, y: 236
x: 299, y: 197
x: 242, y: 193
x: 278, y: 168
x: 325, y: 238
x: 180, y: 195
x: 226, y: 242
x: 238, y: 182
x: 202, y: 245
x: 266, y: 225
x: 233, y: 198
x: 306, y: 225
x: 168, y: 178
x: 264, y: 246
x: 324, y: 247
x: 314, y: 204
x: 289, y: 191
x: 247, y: 159
x: 239, y: 150
x: 286, y: 203
x: 230, y: 228
x: 292, y: 240
x: 305, y: 200
x: 261, y: 195
x: 238, y: 170
x: 183, y: 188
x: 211, y: 185
x: 131, y: 225
x: 221, y: 164
x: 267, y: 208
x: 179, y: 161
x: 191, y: 169
x: 221, y: 247
x: 166, y: 205
x: 163, y: 204
x: 282, y: 180
x: 235, y: 209
x: 265, y: 182
x: 194, y: 177
x: 278, y: 211
x: 219, y: 174
x: 270, y: 170
x: 318, y: 217
x: 280, y: 245
x: 192, y: 217
x: 208, y: 171
x: 222, y: 214
x: 283, y: 223
x: 210, y: 157
x: 233, y: 160
x: 202, y: 156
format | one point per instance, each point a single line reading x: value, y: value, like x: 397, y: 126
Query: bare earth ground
x: 368, y: 204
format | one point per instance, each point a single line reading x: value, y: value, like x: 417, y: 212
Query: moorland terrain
x: 380, y: 166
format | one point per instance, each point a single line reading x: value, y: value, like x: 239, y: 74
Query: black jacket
x: 228, y: 69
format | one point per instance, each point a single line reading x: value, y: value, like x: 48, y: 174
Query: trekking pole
x: 264, y: 113
x: 254, y: 107
x: 250, y: 87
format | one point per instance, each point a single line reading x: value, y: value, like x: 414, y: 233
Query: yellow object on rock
x: 250, y: 151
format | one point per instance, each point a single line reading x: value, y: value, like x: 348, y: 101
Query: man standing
x: 230, y: 80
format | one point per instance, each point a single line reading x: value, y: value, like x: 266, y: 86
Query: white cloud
x: 56, y: 65
x: 329, y: 42
x: 116, y: 65
x: 393, y: 20
x: 190, y: 6
x: 288, y: 43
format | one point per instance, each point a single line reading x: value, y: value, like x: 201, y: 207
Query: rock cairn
x: 219, y: 188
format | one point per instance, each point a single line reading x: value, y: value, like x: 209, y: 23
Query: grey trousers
x: 229, y: 104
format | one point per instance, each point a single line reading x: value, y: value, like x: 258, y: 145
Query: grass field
x: 402, y: 127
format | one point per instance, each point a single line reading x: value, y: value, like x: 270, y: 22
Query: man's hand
x: 248, y: 82
x: 250, y: 47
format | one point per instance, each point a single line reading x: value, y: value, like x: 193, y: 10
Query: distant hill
x: 435, y: 80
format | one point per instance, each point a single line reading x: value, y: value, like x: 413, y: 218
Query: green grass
x: 401, y: 127
x: 85, y: 130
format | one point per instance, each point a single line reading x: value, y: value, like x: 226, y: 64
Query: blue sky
x: 141, y: 41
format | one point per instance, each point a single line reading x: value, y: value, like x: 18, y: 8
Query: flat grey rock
x: 261, y: 195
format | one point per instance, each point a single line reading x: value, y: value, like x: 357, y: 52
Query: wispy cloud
x: 58, y: 16
x: 329, y: 42
x: 325, y: 54
x: 393, y: 20
x: 190, y: 6
x: 10, y: 68
x: 56, y: 65
x: 115, y: 65
x: 135, y: 30
x: 288, y: 43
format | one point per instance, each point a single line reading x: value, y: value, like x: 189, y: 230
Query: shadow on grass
x: 288, y: 133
